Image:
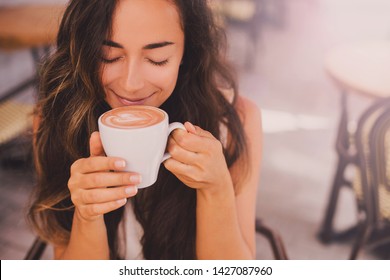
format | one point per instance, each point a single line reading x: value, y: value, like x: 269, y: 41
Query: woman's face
x: 141, y: 61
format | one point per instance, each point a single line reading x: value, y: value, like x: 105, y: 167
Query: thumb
x: 95, y: 145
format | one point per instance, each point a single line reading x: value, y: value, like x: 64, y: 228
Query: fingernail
x: 120, y: 164
x: 121, y: 201
x: 131, y: 189
x: 136, y: 179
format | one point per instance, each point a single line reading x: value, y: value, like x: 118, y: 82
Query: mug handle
x: 172, y: 127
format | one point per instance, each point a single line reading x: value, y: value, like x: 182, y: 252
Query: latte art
x: 132, y: 117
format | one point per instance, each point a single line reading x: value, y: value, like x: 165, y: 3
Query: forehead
x: 146, y: 18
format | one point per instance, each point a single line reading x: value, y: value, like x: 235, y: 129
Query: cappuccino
x: 133, y: 117
x: 139, y: 135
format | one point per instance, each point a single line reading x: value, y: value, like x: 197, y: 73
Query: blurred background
x: 280, y: 49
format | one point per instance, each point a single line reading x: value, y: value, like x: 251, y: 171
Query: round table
x: 29, y: 26
x: 361, y: 68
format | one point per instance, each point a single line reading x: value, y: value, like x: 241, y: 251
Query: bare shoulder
x: 250, y: 114
x: 245, y: 172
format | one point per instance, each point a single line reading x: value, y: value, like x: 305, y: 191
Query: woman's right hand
x: 94, y: 189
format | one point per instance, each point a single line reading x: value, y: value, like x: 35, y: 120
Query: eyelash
x: 156, y: 63
x: 109, y: 61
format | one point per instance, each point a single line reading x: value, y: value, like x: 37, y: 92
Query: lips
x: 129, y: 102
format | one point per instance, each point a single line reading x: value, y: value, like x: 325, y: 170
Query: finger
x: 180, y: 154
x: 190, y: 127
x: 203, y: 133
x: 197, y: 130
x: 192, y: 142
x: 109, y: 179
x: 95, y: 145
x: 185, y: 139
x: 178, y: 168
x: 97, y: 163
x: 104, y: 195
x: 97, y: 209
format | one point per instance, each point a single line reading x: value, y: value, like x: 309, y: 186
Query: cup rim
x: 166, y: 119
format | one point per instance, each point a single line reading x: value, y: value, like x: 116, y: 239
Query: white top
x: 130, y: 234
x: 131, y: 231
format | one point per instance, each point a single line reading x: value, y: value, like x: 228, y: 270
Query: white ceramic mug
x: 139, y: 135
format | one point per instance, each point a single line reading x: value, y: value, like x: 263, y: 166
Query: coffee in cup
x: 139, y: 135
x: 134, y: 117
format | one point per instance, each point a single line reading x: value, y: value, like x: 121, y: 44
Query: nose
x: 133, y: 79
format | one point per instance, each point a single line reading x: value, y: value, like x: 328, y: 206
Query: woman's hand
x: 94, y: 189
x: 197, y: 159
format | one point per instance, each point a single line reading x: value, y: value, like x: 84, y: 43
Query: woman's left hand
x: 197, y: 159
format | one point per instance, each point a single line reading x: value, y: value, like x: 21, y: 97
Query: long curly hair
x: 72, y: 98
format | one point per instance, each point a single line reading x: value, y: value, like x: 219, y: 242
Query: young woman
x: 162, y: 53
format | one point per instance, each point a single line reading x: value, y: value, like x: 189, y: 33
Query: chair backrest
x: 373, y: 152
x: 380, y: 162
x: 274, y: 239
x: 15, y: 118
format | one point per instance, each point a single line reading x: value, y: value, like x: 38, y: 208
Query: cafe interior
x: 319, y: 70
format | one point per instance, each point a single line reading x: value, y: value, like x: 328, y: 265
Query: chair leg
x: 277, y: 245
x: 326, y: 232
x: 360, y: 240
x: 36, y: 250
x: 344, y: 158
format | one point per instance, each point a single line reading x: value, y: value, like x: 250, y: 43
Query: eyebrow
x: 146, y: 47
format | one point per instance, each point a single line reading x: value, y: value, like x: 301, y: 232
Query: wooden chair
x: 274, y: 239
x: 36, y: 250
x: 15, y: 136
x: 372, y: 185
x: 360, y: 69
x: 24, y: 27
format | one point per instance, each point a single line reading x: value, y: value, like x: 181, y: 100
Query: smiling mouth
x: 126, y: 101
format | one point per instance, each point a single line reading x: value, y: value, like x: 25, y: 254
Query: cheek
x: 109, y: 73
x: 165, y: 78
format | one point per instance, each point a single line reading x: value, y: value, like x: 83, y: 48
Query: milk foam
x: 132, y: 117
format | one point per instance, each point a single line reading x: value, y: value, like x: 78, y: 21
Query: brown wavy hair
x: 72, y: 98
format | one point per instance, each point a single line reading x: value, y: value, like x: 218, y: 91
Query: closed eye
x: 158, y: 63
x: 108, y: 61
